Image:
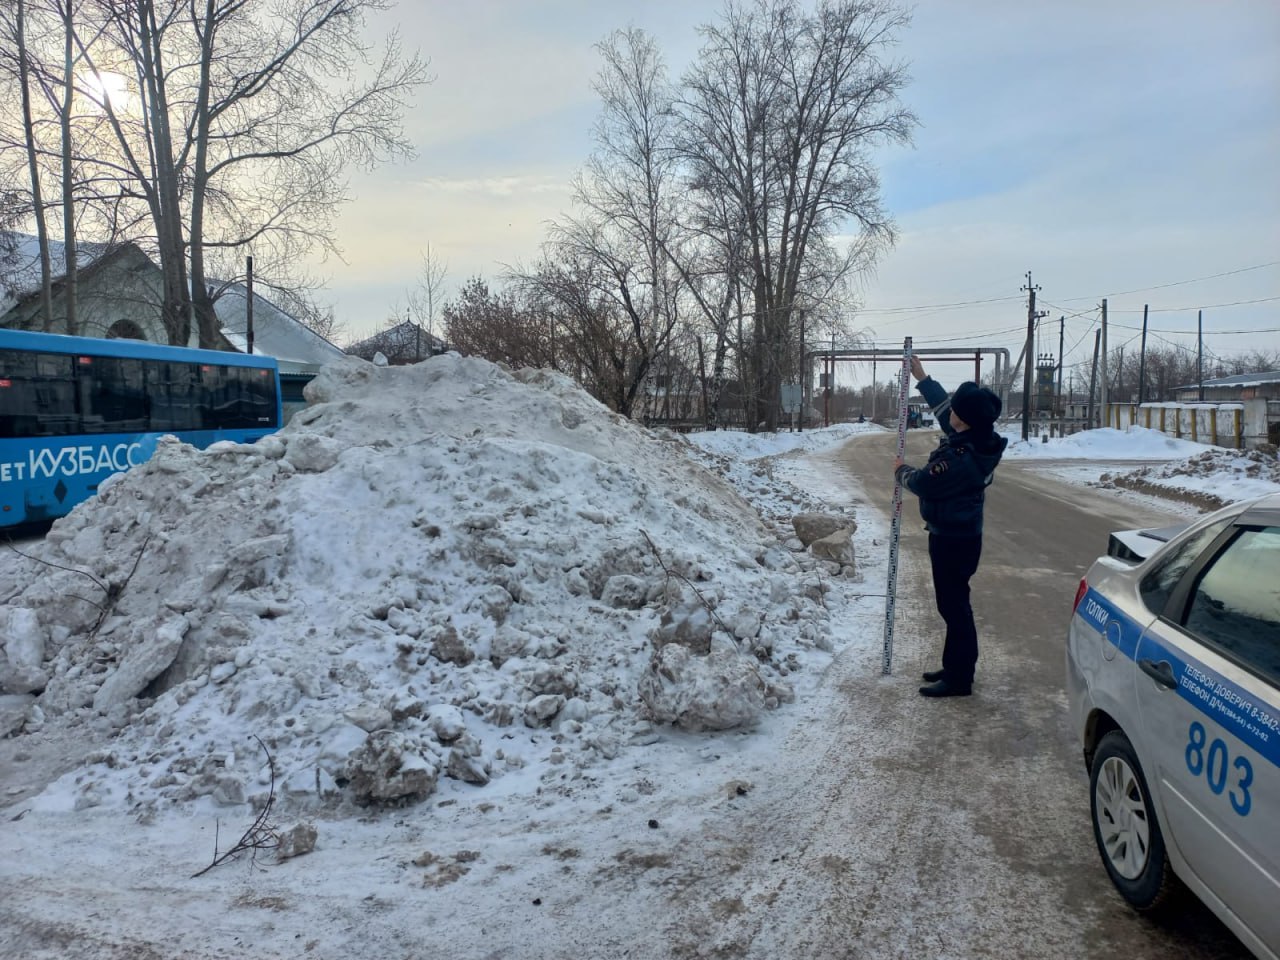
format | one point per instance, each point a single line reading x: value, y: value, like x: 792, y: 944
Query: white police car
x: 1173, y: 674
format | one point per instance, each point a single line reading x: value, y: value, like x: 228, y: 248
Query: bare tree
x: 782, y: 109
x: 18, y: 64
x: 428, y: 297
x: 606, y: 275
x: 243, y: 116
x: 1170, y: 366
x: 13, y: 208
x: 1252, y: 361
x: 66, y: 13
x: 630, y: 187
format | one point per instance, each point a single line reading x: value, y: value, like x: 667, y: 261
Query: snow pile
x: 750, y: 446
x: 1107, y: 443
x: 444, y: 570
x: 1213, y: 478
x: 749, y: 462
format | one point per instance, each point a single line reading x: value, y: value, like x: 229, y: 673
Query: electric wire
x: 913, y: 314
x: 1199, y: 306
x: 1192, y: 333
x: 957, y: 304
x: 1179, y: 283
x: 936, y: 306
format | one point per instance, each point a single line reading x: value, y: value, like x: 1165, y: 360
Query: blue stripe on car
x: 1255, y: 722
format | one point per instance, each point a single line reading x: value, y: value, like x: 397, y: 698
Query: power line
x: 1088, y: 330
x: 936, y: 306
x: 1070, y: 316
x: 967, y: 335
x: 1192, y: 333
x: 1161, y: 286
x: 1179, y: 283
x: 1201, y: 306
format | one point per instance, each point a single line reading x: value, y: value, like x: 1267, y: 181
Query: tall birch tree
x: 783, y: 108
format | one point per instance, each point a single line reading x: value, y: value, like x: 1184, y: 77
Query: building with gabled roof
x: 118, y: 294
x: 406, y: 342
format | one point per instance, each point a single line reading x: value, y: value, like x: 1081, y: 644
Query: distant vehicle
x: 1173, y: 680
x: 74, y: 410
x: 919, y: 415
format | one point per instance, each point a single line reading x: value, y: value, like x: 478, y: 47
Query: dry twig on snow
x: 111, y: 591
x: 261, y: 835
x: 680, y: 576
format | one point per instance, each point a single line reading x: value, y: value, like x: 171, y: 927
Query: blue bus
x: 74, y: 410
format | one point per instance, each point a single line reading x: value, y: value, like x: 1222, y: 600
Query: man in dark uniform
x: 951, y: 488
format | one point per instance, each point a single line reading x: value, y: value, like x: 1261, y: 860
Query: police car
x: 1173, y: 675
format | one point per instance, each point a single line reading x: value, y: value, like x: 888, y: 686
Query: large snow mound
x: 444, y: 570
x: 1105, y: 443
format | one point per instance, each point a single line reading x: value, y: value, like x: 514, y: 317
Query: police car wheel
x: 1125, y: 825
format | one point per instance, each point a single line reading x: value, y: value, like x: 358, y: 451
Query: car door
x: 1209, y: 703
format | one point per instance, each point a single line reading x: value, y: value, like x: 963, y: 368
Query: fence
x: 1238, y: 424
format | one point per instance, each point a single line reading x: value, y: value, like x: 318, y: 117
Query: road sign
x: 792, y: 397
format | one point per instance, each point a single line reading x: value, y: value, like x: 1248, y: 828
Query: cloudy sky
x: 1114, y: 148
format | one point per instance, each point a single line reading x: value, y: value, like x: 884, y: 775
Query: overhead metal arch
x: 1001, y: 377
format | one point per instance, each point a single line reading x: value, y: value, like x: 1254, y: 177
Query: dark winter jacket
x: 952, y: 485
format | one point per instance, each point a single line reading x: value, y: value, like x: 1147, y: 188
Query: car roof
x: 1263, y: 512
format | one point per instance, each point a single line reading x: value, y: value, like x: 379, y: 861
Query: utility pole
x: 1032, y: 317
x: 1093, y: 376
x: 1102, y: 399
x: 248, y: 304
x: 874, y: 385
x: 1062, y: 331
x: 1142, y: 358
x: 1200, y: 353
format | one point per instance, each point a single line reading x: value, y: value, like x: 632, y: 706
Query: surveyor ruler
x: 891, y: 584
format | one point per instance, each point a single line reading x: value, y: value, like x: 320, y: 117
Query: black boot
x: 933, y: 676
x: 946, y: 688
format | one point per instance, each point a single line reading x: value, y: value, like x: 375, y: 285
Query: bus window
x: 229, y: 405
x: 174, y: 404
x: 115, y: 394
x: 212, y: 395
x: 55, y: 394
x: 17, y: 406
x: 257, y: 398
x: 37, y: 398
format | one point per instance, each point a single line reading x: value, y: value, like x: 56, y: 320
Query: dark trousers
x: 954, y: 560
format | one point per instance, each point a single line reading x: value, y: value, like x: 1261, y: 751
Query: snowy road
x: 979, y: 809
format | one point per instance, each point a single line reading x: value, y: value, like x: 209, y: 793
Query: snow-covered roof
x: 275, y: 333
x: 20, y: 264
x: 404, y: 341
x: 1239, y: 380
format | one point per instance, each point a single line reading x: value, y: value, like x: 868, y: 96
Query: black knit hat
x: 977, y: 406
